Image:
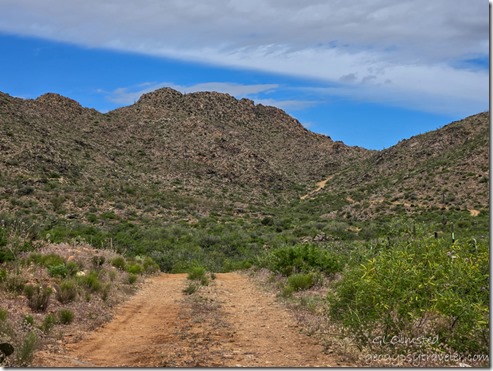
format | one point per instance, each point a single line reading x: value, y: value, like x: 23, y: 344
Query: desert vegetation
x: 401, y: 278
x: 394, y: 245
x: 393, y: 299
x: 47, y: 290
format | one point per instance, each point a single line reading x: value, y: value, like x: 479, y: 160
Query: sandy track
x: 134, y: 336
x: 229, y: 323
x: 266, y: 335
x: 320, y: 185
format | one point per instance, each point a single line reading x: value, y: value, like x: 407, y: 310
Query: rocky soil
x: 230, y: 323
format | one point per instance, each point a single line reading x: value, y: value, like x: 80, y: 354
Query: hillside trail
x: 320, y: 185
x: 230, y: 323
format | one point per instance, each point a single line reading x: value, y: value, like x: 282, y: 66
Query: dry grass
x: 90, y: 309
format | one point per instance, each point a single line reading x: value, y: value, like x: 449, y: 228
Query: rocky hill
x: 230, y: 140
x: 170, y: 154
x: 166, y: 152
x: 446, y: 169
x: 207, y: 177
x: 205, y: 181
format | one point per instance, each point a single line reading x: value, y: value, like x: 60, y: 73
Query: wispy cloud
x: 234, y: 89
x: 256, y: 92
x: 128, y: 95
x: 407, y: 52
x: 291, y: 104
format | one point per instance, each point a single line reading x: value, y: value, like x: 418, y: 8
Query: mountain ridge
x: 210, y: 148
x: 207, y: 147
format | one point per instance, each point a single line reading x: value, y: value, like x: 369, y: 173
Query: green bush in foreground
x: 135, y: 268
x: 97, y: 261
x: 90, y: 281
x: 3, y: 275
x: 48, y: 322
x: 15, y: 283
x: 150, y: 266
x: 48, y: 260
x: 131, y: 278
x: 59, y: 270
x: 305, y: 258
x: 196, y: 273
x: 426, y: 287
x: 65, y: 316
x: 3, y: 314
x: 72, y: 268
x: 118, y: 262
x: 25, y: 353
x: 66, y: 291
x: 301, y: 281
x: 191, y: 288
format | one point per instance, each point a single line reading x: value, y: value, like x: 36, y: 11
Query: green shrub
x: 131, y: 278
x: 3, y: 275
x: 66, y: 291
x: 108, y: 215
x: 72, y: 268
x: 191, y: 288
x: 38, y: 297
x: 65, y: 316
x: 301, y: 281
x: 196, y: 273
x: 204, y: 281
x: 25, y: 190
x: 150, y: 266
x: 48, y: 323
x: 118, y: 262
x: 267, y: 221
x: 112, y: 275
x: 4, y: 313
x: 6, y: 254
x: 105, y: 292
x: 425, y: 287
x: 59, y: 270
x: 28, y: 320
x: 90, y: 281
x: 287, y: 291
x: 35, y: 258
x: 47, y: 260
x: 4, y: 237
x: 302, y: 258
x: 135, y: 268
x: 92, y: 218
x: 25, y: 353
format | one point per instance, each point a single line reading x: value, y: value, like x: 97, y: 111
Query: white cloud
x: 287, y: 104
x: 237, y: 90
x: 128, y: 95
x: 421, y: 29
x: 403, y: 51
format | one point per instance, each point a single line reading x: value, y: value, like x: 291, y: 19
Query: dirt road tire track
x: 229, y: 323
x: 266, y: 334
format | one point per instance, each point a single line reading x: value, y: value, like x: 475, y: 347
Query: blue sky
x: 369, y: 73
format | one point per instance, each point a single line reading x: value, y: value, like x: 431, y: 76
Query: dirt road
x: 320, y: 185
x: 226, y: 324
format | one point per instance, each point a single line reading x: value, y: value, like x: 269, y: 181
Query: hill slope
x: 443, y: 169
x: 209, y: 151
x: 166, y: 152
